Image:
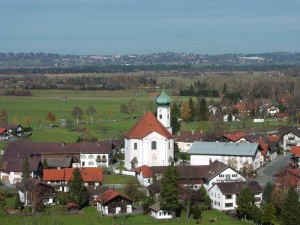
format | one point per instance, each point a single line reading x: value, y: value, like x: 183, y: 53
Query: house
x: 60, y: 177
x: 72, y: 207
x: 12, y: 169
x: 185, y: 139
x: 144, y: 175
x: 4, y: 134
x: 83, y: 154
x: 157, y: 213
x: 262, y: 139
x: 193, y: 176
x: 112, y: 202
x: 33, y: 191
x: 234, y: 154
x: 224, y: 194
x: 289, y: 136
x: 150, y: 141
x: 295, y: 152
x: 234, y: 137
x: 272, y: 111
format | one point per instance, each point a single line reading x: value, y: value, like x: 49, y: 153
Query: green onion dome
x: 163, y: 99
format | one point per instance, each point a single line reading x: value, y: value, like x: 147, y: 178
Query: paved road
x: 266, y: 174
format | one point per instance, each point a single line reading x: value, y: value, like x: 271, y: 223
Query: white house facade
x: 204, y: 153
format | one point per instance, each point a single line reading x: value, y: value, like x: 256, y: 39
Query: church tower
x: 163, y: 102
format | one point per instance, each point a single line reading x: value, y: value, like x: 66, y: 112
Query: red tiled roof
x: 234, y: 136
x: 146, y: 171
x: 146, y: 125
x: 296, y: 151
x: 88, y: 174
x: 71, y: 205
x: 2, y: 130
x: 264, y: 147
x: 110, y: 195
x: 274, y: 138
x: 54, y: 174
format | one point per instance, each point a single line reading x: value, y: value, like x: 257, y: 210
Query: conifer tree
x: 169, y: 190
x: 45, y: 164
x: 246, y: 203
x: 291, y: 208
x: 267, y: 193
x: 269, y: 214
x: 77, y: 190
x: 25, y: 169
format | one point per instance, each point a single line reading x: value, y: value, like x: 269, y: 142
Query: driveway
x: 266, y: 174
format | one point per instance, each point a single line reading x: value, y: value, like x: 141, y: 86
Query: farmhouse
x: 150, y: 141
x: 237, y: 154
x: 59, y: 177
x: 158, y: 213
x: 185, y: 139
x: 224, y: 195
x: 289, y: 136
x: 112, y: 202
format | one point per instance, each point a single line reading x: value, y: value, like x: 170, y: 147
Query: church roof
x: 163, y: 99
x: 146, y: 125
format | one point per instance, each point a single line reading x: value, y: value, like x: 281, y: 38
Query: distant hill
x: 45, y: 60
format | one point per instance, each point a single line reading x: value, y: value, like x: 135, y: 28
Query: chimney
x: 178, y: 133
x: 18, y: 154
x: 193, y: 132
x: 63, y: 144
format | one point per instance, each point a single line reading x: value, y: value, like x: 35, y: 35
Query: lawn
x: 91, y: 217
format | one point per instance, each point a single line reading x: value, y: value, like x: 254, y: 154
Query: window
x: 83, y: 156
x: 169, y: 145
x: 227, y: 176
x: 160, y: 116
x: 91, y: 163
x: 212, y: 194
x: 153, y: 145
x: 234, y: 175
x: 218, y: 195
x: 227, y: 205
x: 228, y: 196
x: 221, y: 175
x: 135, y: 146
x: 91, y: 157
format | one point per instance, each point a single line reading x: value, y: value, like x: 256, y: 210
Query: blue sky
x: 106, y: 27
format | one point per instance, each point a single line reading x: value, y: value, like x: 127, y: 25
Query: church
x: 150, y: 141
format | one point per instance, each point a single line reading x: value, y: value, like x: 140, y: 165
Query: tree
x: 77, y: 190
x: 192, y: 109
x: 205, y: 200
x: 267, y: 193
x: 124, y: 109
x: 25, y: 169
x: 27, y: 121
x: 268, y: 215
x: 175, y: 124
x: 45, y: 164
x: 77, y: 113
x: 291, y: 207
x: 69, y: 124
x: 132, y: 107
x: 196, y: 211
x: 40, y: 120
x: 3, y: 117
x: 147, y: 203
x: 185, y: 111
x: 16, y: 121
x: 133, y: 190
x: 175, y: 110
x: 51, y: 118
x: 169, y: 190
x: 245, y: 202
x: 91, y: 111
x: 18, y: 204
x: 203, y: 110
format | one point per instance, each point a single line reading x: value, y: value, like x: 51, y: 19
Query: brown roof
x: 16, y: 150
x: 295, y: 150
x: 189, y: 136
x: 71, y: 205
x: 109, y: 195
x: 146, y: 125
x: 15, y: 165
x: 155, y: 207
x: 236, y: 186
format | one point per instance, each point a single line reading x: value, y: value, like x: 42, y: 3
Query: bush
x: 196, y: 212
x: 18, y: 203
